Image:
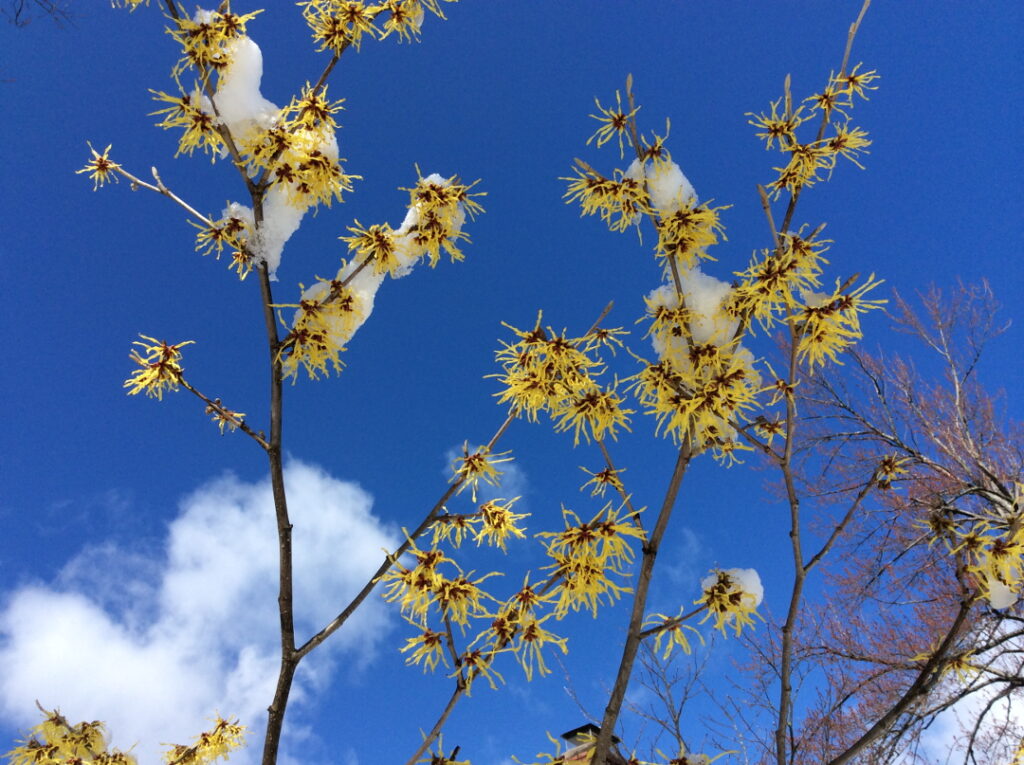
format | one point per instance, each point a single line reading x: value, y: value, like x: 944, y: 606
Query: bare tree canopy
x: 21, y: 13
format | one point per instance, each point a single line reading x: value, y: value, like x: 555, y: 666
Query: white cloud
x: 155, y: 648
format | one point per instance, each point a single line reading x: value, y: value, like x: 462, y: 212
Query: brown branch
x: 926, y: 679
x: 391, y: 558
x: 460, y: 690
x: 650, y: 553
x: 226, y: 414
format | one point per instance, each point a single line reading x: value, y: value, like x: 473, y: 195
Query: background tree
x: 22, y: 12
x: 905, y: 658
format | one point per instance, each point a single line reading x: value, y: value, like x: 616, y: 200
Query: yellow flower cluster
x: 57, y: 742
x: 685, y: 234
x: 327, y: 315
x: 828, y: 324
x: 416, y: 589
x: 516, y: 628
x: 807, y: 160
x: 493, y: 523
x: 337, y: 24
x: 995, y: 554
x: 441, y: 207
x: 207, y: 42
x: 619, y: 200
x: 160, y: 367
x: 299, y: 151
x: 582, y: 752
x: 548, y: 371
x: 696, y: 391
x: 586, y: 554
x: 209, y: 746
x: 771, y: 285
x: 230, y: 231
x: 206, y: 39
x: 438, y: 208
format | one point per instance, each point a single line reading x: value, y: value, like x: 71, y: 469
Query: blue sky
x: 99, y: 488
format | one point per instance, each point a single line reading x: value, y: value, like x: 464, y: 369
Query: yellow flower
x: 829, y: 324
x: 224, y: 738
x: 212, y: 238
x: 314, y: 171
x: 770, y: 285
x: 499, y: 523
x: 856, y: 82
x: 848, y: 142
x: 459, y: 598
x: 441, y: 206
x: 614, y: 122
x: 101, y: 168
x: 602, y: 479
x: 655, y: 150
x: 404, y: 19
x: 830, y: 99
x: 731, y: 597
x: 376, y: 244
x: 313, y: 111
x: 453, y: 528
x: 55, y: 740
x: 890, y: 469
x: 604, y: 337
x: 530, y: 641
x: 160, y: 367
x: 470, y: 469
x: 191, y: 113
x: 687, y: 233
x: 242, y: 261
x: 336, y: 24
x: 413, y: 589
x: 619, y: 201
x: 224, y: 417
x: 427, y: 647
x: 477, y: 663
x: 777, y: 128
x: 673, y: 628
x: 593, y: 413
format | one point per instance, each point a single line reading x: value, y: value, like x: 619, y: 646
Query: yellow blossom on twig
x: 160, y: 367
x: 101, y: 168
